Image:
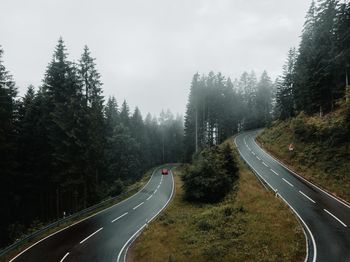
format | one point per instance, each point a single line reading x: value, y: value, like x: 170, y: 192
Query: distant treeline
x: 314, y: 76
x: 218, y: 108
x: 63, y: 148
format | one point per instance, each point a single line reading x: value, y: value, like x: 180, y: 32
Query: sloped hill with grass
x: 321, y: 148
x: 249, y: 224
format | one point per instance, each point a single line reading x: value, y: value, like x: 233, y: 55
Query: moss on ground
x: 251, y: 224
x: 321, y: 153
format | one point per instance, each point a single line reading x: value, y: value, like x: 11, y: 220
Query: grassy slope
x: 249, y: 225
x: 319, y: 158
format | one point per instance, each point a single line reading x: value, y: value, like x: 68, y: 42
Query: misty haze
x: 174, y: 130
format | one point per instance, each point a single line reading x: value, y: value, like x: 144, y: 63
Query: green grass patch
x: 322, y: 149
x: 250, y: 224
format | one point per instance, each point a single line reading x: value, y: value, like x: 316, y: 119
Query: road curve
x: 326, y: 220
x: 106, y: 235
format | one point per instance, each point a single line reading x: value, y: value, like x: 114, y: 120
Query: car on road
x: 165, y: 171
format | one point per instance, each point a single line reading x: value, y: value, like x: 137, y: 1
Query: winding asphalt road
x: 106, y: 235
x: 326, y: 220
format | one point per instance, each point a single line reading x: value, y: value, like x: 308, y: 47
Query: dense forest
x: 218, y: 108
x: 315, y: 76
x: 64, y: 148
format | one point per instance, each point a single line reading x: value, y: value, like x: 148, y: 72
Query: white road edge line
x: 63, y: 258
x: 273, y: 171
x: 138, y: 205
x: 119, y: 217
x: 307, y: 181
x: 307, y: 197
x: 104, y: 210
x: 148, y: 198
x: 81, y: 242
x: 341, y: 222
x: 308, y: 229
x: 289, y: 183
x: 265, y: 164
x: 132, y: 238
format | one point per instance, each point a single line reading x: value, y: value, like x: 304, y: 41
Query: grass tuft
x: 250, y: 224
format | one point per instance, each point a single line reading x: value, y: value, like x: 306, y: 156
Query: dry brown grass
x: 249, y: 225
x: 325, y: 165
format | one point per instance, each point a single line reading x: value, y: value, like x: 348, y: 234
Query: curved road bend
x: 326, y: 220
x: 104, y: 236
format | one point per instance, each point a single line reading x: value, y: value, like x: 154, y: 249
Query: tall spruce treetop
x: 285, y: 92
x: 91, y: 79
x: 124, y: 114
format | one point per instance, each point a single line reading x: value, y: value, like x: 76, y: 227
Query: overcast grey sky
x: 148, y: 51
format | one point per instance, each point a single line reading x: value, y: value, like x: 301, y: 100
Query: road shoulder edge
x: 83, y: 219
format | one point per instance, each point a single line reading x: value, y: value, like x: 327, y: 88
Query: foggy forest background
x: 64, y: 146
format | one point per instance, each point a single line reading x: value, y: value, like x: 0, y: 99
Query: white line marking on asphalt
x: 341, y: 222
x: 253, y: 153
x: 258, y: 158
x: 265, y: 164
x: 342, y: 201
x: 63, y: 258
x: 307, y: 197
x: 158, y: 186
x: 138, y: 205
x: 81, y: 242
x: 148, y: 198
x: 155, y: 191
x: 133, y: 236
x: 273, y: 171
x: 119, y: 217
x: 289, y: 183
x: 308, y: 229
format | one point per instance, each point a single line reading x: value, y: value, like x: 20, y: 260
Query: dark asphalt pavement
x: 326, y: 220
x: 106, y: 235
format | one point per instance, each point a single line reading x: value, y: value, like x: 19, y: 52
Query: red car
x: 165, y: 171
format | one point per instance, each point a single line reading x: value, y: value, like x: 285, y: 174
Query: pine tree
x: 63, y: 92
x: 94, y: 142
x: 264, y: 100
x: 285, y: 92
x: 8, y: 135
x: 111, y: 116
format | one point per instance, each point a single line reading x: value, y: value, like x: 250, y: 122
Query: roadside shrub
x: 211, y: 176
x: 116, y: 188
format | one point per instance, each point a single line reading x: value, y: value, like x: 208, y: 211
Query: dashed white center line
x: 138, y: 205
x: 273, y: 171
x: 155, y: 191
x: 119, y: 217
x: 253, y: 153
x: 158, y: 186
x: 307, y: 197
x: 148, y: 198
x: 63, y: 258
x: 265, y: 164
x: 81, y: 242
x: 289, y: 183
x: 258, y: 158
x: 341, y: 222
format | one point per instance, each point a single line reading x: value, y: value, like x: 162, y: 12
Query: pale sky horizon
x: 148, y: 51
